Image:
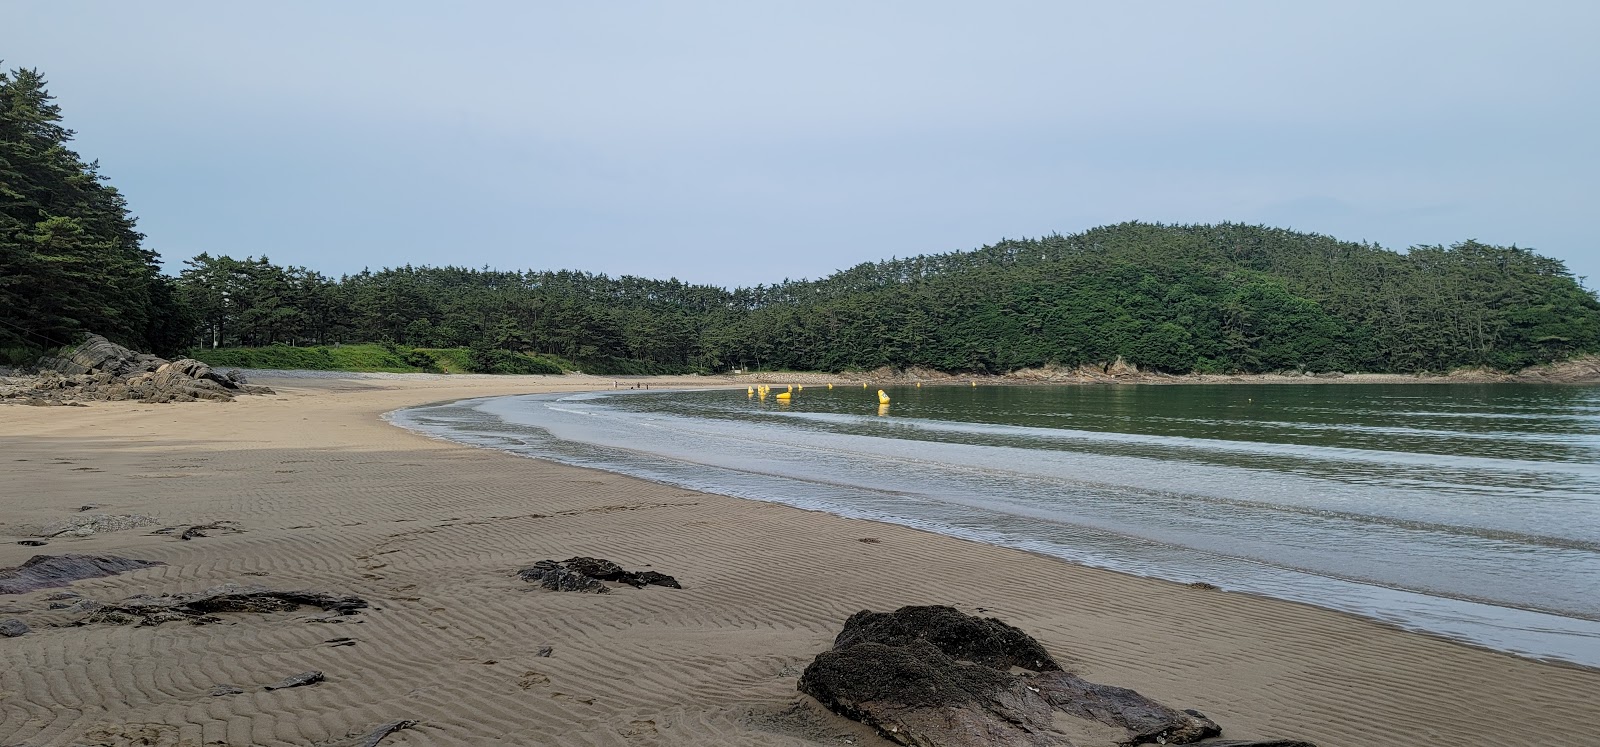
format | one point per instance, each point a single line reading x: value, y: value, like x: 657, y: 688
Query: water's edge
x: 1527, y: 633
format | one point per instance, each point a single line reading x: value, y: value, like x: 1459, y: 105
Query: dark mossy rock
x: 1145, y: 719
x: 915, y: 694
x: 556, y: 577
x: 201, y: 607
x: 985, y: 641
x: 600, y: 568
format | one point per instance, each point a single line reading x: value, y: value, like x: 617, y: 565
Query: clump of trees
x: 1176, y: 298
x: 71, y: 260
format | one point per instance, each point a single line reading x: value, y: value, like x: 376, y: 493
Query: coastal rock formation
x: 46, y: 571
x: 98, y: 369
x: 13, y: 628
x: 935, y: 677
x: 201, y: 607
x: 586, y: 574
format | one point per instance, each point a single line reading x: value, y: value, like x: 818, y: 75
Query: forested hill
x: 1210, y: 298
x: 1175, y: 298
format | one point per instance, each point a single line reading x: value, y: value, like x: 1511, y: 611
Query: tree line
x: 1176, y: 298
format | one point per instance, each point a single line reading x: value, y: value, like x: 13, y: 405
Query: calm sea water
x: 1471, y: 511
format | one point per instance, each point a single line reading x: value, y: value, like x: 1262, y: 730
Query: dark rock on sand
x: 1259, y: 743
x: 13, y: 628
x: 642, y: 579
x: 585, y: 574
x: 33, y: 543
x: 200, y: 607
x: 221, y: 690
x: 985, y: 641
x: 300, y: 680
x: 934, y: 677
x: 600, y: 568
x: 545, y: 651
x: 46, y: 571
x: 556, y: 577
x: 915, y: 694
x: 1145, y: 719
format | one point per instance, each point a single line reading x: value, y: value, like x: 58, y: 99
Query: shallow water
x: 1471, y: 511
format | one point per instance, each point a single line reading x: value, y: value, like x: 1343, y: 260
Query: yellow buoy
x: 749, y: 391
x: 863, y: 385
x: 974, y: 383
x: 883, y: 399
x: 919, y: 385
x: 783, y: 396
x: 800, y: 388
x: 791, y: 388
x: 830, y: 386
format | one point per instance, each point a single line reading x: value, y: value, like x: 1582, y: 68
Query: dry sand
x: 334, y: 499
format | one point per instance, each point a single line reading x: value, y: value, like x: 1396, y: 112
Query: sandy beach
x: 331, y: 498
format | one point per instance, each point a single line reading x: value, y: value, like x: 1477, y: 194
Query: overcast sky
x: 741, y: 143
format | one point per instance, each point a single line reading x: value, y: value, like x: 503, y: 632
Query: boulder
x: 915, y: 694
x: 13, y: 628
x: 985, y: 641
x: 935, y: 677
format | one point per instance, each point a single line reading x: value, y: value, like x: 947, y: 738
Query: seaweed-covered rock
x: 984, y: 641
x: 586, y: 574
x: 600, y: 568
x: 556, y: 577
x: 46, y: 571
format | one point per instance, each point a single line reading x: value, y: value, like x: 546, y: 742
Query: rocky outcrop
x: 935, y: 677
x: 100, y: 370
x: 13, y: 628
x: 46, y: 571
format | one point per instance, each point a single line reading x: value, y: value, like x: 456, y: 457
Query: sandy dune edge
x: 332, y: 498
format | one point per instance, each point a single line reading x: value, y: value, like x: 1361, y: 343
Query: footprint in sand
x: 531, y: 679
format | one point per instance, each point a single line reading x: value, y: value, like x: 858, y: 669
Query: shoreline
x: 334, y: 498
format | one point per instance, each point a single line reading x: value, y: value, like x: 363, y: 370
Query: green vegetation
x: 70, y: 259
x: 380, y: 357
x: 1211, y: 298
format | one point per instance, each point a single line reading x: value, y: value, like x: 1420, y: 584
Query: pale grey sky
x: 741, y: 143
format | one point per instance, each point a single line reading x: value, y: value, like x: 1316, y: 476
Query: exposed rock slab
x: 47, y: 571
x: 201, y: 607
x: 84, y: 525
x: 1145, y: 719
x: 299, y: 680
x: 13, y: 628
